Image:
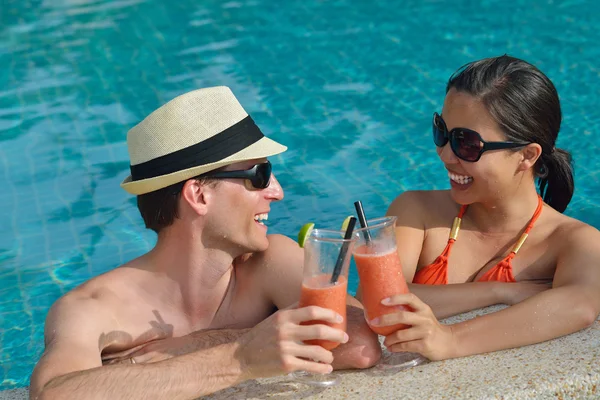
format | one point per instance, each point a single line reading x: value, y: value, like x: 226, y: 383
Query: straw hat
x: 192, y: 134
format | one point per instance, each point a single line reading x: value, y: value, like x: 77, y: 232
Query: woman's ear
x: 529, y: 156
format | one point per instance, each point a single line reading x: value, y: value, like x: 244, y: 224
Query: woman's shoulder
x: 569, y: 232
x: 569, y: 225
x: 426, y: 205
x: 576, y: 248
x: 424, y: 199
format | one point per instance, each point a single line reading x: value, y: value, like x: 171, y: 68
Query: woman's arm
x: 571, y: 305
x: 448, y: 300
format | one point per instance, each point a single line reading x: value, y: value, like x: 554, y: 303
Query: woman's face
x: 494, y: 175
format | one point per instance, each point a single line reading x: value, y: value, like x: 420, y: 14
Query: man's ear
x: 196, y: 196
x: 529, y: 156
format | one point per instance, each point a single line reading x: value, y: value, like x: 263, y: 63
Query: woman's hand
x: 425, y: 334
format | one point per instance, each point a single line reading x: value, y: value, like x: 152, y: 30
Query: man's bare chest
x: 136, y: 327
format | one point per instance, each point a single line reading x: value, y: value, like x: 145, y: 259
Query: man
x: 212, y: 304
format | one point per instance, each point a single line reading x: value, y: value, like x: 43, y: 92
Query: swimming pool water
x: 349, y: 86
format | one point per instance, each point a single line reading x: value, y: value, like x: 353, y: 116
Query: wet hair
x: 525, y: 105
x: 160, y: 207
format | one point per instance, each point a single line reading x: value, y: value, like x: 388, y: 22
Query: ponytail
x: 556, y: 181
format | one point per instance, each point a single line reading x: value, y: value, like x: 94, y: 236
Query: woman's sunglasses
x: 259, y: 175
x: 465, y: 143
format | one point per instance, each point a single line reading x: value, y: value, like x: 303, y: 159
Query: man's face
x: 237, y: 211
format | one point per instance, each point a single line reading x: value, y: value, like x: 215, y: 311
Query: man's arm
x: 284, y: 261
x: 363, y: 349
x: 71, y: 366
x: 163, y: 349
x: 186, y: 377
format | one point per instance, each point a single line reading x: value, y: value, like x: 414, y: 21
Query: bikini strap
x: 456, y: 224
x: 523, y: 237
x: 515, y: 249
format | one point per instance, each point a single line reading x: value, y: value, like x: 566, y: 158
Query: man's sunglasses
x: 465, y: 143
x: 259, y: 175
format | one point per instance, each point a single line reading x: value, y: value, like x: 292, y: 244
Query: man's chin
x: 263, y: 246
x: 250, y: 250
x: 257, y: 246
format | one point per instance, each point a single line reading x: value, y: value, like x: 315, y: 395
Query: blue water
x: 349, y: 86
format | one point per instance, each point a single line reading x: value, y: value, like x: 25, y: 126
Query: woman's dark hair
x: 525, y: 104
x: 160, y: 207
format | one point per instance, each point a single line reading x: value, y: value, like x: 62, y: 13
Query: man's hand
x: 276, y: 346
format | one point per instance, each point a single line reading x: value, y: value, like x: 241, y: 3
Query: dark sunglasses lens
x: 439, y: 131
x: 263, y: 176
x: 466, y: 144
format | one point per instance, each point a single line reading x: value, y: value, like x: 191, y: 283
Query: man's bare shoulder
x: 281, y: 248
x: 75, y: 327
x: 278, y: 270
x: 280, y: 252
x: 81, y: 310
x: 91, y: 305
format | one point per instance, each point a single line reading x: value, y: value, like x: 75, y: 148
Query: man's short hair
x: 160, y: 207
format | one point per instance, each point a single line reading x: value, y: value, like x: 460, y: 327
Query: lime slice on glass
x: 305, y: 233
x: 346, y: 222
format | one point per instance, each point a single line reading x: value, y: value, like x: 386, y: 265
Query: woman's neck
x: 504, y: 214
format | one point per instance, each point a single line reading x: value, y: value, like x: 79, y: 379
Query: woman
x: 496, y: 136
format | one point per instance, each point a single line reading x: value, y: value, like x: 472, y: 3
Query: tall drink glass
x: 381, y: 276
x: 323, y: 250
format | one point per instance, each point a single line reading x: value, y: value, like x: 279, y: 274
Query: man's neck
x: 195, y: 278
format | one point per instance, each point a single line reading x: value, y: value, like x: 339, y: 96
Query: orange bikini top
x: 436, y: 273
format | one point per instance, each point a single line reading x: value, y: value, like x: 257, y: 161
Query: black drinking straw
x: 362, y: 218
x: 337, y: 270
